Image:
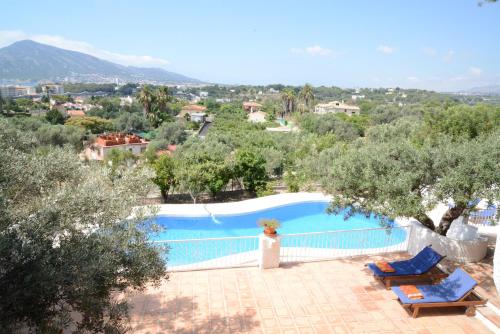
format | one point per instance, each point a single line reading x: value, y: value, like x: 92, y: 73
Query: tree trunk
x: 192, y: 197
x: 164, y: 195
x: 426, y: 221
x: 449, y: 217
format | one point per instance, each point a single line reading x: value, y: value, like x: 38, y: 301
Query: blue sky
x: 443, y: 45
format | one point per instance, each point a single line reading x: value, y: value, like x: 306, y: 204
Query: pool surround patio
x: 339, y: 296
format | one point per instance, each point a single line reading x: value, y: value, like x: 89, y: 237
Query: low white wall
x: 456, y: 250
x: 246, y: 206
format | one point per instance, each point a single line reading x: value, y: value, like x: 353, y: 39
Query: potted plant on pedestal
x: 269, y: 225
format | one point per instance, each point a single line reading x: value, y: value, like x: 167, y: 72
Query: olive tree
x: 164, y: 168
x: 390, y: 178
x: 203, y: 166
x: 191, y: 178
x: 469, y: 171
x: 405, y: 179
x: 251, y: 167
x: 68, y: 241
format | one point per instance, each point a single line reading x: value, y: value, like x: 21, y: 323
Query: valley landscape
x: 238, y: 172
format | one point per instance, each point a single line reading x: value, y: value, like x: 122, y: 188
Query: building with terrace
x: 252, y: 106
x: 336, y: 107
x: 191, y: 109
x: 16, y: 91
x: 107, y: 142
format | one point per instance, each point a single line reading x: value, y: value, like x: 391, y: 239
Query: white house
x: 107, y: 142
x: 336, y: 107
x: 14, y: 91
x: 126, y: 101
x: 198, y: 117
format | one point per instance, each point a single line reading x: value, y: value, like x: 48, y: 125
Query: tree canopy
x: 67, y: 240
x: 397, y: 174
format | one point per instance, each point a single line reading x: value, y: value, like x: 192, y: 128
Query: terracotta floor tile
x: 306, y: 330
x: 273, y: 331
x: 423, y: 331
x: 286, y: 321
x: 266, y: 313
x: 302, y: 321
x: 270, y: 323
x: 319, y: 297
x: 323, y: 329
x: 339, y: 329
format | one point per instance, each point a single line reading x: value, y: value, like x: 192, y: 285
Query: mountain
x: 484, y: 90
x: 31, y: 61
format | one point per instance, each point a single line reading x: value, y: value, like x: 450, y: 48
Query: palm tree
x: 307, y: 95
x: 146, y: 98
x: 154, y: 117
x: 288, y: 99
x: 163, y: 98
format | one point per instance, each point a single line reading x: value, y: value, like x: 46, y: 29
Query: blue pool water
x: 295, y: 218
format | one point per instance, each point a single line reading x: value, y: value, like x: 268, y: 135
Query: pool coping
x: 241, y: 207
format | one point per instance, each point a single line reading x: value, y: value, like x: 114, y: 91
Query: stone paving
x: 337, y: 296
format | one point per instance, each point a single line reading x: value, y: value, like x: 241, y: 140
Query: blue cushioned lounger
x: 455, y: 290
x: 418, y: 267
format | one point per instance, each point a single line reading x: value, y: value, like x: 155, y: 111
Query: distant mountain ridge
x: 485, y: 90
x: 31, y: 61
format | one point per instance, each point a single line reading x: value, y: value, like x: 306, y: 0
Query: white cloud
x: 317, y: 50
x: 428, y: 51
x: 448, y: 57
x: 475, y: 71
x: 386, y: 49
x: 413, y: 79
x: 10, y: 36
x: 314, y: 50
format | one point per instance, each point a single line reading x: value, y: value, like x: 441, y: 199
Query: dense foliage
x: 404, y: 168
x: 67, y: 241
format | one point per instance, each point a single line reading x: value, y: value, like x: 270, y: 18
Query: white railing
x: 485, y: 217
x: 316, y: 246
x: 209, y: 253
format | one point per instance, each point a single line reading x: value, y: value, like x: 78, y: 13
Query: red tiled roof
x: 194, y: 107
x: 113, y: 139
x: 75, y: 113
x: 251, y: 104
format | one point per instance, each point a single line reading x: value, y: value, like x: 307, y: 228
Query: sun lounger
x: 455, y: 290
x: 420, y: 267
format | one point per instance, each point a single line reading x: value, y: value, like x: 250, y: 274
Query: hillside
x: 31, y: 61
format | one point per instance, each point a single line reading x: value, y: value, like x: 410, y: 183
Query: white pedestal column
x: 269, y: 251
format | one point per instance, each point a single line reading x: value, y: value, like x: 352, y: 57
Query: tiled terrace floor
x: 323, y: 297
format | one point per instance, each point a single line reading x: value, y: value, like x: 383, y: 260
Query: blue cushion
x: 451, y: 289
x: 424, y: 261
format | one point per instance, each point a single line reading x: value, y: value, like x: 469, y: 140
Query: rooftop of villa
x: 114, y: 139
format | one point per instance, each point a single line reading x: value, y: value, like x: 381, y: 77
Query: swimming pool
x: 297, y: 218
